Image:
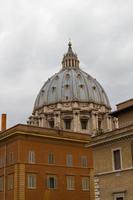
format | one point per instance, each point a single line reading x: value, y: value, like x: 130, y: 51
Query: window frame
x: 85, y: 178
x: 82, y: 159
x: 1, y: 183
x: 81, y: 123
x: 51, y: 123
x: 70, y: 182
x: 51, y: 158
x: 55, y: 182
x: 10, y: 181
x: 69, y: 160
x: 67, y: 127
x: 31, y: 183
x: 119, y: 195
x: 11, y: 157
x: 31, y: 157
x: 113, y: 160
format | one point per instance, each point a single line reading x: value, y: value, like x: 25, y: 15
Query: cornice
x: 117, y: 134
x: 55, y: 134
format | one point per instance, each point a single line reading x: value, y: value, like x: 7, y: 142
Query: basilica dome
x: 71, y: 84
x: 72, y: 100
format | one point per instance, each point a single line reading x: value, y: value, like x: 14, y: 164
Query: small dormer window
x: 57, y: 77
x: 78, y: 76
x: 43, y: 91
x: 94, y: 87
x: 53, y: 88
x: 67, y: 86
x: 81, y: 86
x: 67, y: 76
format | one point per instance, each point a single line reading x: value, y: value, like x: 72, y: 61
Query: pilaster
x: 19, y: 182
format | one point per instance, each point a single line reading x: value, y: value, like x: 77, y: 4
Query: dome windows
x: 53, y: 88
x: 78, y: 76
x: 67, y: 76
x: 67, y: 86
x: 94, y: 87
x: 57, y: 77
x: 42, y: 91
x: 81, y: 85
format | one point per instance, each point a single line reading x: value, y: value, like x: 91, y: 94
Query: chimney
x: 3, y: 122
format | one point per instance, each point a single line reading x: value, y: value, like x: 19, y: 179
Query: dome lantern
x: 70, y: 59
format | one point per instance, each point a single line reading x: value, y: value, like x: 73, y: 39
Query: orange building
x: 41, y: 163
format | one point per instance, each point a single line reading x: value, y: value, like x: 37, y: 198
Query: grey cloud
x: 33, y: 39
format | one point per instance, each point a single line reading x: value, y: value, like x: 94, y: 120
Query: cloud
x: 33, y: 39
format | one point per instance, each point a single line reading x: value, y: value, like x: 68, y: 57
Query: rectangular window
x: 117, y: 159
x: 31, y: 157
x: 1, y: 183
x: 31, y: 181
x: 84, y: 161
x: 51, y: 124
x: 84, y: 123
x: 51, y: 159
x: 10, y: 181
x: 85, y: 183
x: 70, y: 182
x: 99, y: 124
x: 1, y: 161
x: 67, y: 123
x: 69, y: 160
x: 11, y: 158
x: 119, y: 196
x: 51, y: 181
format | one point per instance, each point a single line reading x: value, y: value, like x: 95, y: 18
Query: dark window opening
x: 84, y: 123
x: 51, y: 182
x: 51, y: 124
x: 53, y: 88
x: 99, y: 124
x: 69, y: 63
x: 67, y: 123
x: 67, y: 85
x: 119, y: 198
x: 81, y: 86
x: 73, y: 63
x: 117, y: 159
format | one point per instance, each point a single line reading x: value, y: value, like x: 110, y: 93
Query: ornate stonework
x: 72, y: 99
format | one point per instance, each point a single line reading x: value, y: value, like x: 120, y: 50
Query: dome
x: 71, y: 84
x: 73, y: 100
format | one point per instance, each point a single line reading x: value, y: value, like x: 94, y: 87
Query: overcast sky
x: 34, y: 36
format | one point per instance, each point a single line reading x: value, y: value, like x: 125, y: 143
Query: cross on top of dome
x: 70, y: 59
